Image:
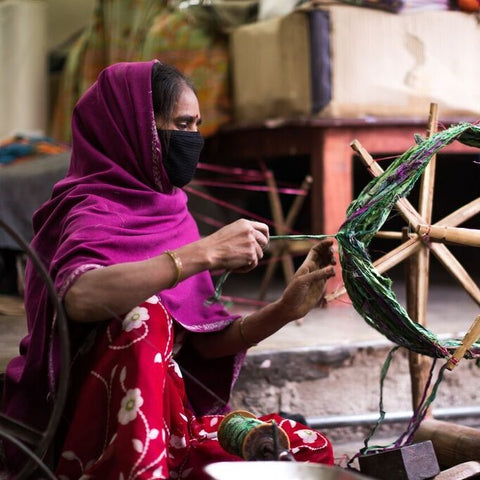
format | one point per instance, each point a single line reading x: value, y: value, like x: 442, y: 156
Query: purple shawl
x: 115, y: 204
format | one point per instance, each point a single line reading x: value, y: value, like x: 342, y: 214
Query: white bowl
x: 279, y: 471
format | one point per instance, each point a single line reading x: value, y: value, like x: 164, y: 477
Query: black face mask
x: 181, y: 153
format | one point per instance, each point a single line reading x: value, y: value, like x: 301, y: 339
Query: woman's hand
x: 306, y: 290
x: 238, y: 246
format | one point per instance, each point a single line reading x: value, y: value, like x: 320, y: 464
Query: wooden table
x: 327, y: 144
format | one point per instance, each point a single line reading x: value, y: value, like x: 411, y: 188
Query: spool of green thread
x: 234, y: 432
x: 241, y: 433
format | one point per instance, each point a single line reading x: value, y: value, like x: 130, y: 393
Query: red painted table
x: 327, y: 144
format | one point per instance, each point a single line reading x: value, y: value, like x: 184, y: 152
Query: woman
x: 133, y: 273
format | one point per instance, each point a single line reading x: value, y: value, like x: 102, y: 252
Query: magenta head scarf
x: 115, y: 204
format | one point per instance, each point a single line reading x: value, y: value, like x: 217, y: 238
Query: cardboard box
x: 271, y: 72
x: 23, y: 60
x: 350, y: 61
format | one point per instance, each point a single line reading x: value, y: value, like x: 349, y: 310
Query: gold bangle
x: 242, y: 334
x: 178, y: 266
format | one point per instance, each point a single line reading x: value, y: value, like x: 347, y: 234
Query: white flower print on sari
x: 133, y: 443
x: 135, y: 318
x: 131, y: 403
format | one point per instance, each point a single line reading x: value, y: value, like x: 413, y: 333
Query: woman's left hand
x: 306, y: 290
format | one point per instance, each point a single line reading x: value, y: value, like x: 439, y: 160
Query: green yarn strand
x: 370, y: 292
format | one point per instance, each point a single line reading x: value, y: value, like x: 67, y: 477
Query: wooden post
x: 280, y: 226
x: 419, y: 365
x: 417, y: 275
x: 453, y: 444
x: 281, y: 250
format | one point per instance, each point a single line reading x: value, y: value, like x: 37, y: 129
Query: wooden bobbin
x: 259, y: 443
x: 223, y: 426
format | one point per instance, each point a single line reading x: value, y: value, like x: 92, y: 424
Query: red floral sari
x: 130, y: 417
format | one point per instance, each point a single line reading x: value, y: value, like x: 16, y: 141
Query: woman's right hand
x: 238, y: 246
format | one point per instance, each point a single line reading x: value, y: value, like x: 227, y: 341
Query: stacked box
x: 345, y: 61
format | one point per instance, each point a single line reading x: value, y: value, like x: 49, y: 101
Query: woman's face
x: 186, y: 114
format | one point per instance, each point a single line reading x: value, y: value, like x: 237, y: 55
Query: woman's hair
x: 167, y: 85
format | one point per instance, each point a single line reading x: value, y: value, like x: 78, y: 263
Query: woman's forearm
x: 114, y: 290
x: 104, y: 293
x: 243, y: 333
